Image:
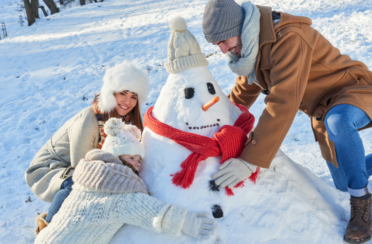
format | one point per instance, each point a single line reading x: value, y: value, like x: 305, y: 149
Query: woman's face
x: 125, y: 102
x: 133, y: 160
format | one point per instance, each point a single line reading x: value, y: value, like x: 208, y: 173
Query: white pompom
x: 113, y: 126
x: 178, y: 24
x: 134, y: 131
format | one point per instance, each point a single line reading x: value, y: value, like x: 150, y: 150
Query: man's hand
x: 232, y: 171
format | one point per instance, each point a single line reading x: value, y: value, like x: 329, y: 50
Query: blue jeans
x: 58, y: 199
x: 354, y: 168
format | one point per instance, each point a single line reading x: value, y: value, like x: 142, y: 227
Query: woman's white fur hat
x: 121, y: 77
x: 122, y: 139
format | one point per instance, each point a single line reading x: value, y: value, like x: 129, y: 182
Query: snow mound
x: 287, y: 204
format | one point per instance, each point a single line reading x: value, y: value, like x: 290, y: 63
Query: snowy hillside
x: 51, y: 70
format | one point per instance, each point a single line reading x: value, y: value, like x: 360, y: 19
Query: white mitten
x: 198, y: 225
x: 232, y: 171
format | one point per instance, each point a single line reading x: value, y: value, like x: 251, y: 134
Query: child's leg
x: 58, y: 199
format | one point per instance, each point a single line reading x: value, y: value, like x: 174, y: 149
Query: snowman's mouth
x: 203, y: 126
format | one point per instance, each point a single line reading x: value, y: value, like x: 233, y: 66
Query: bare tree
x: 61, y: 2
x: 82, y: 2
x: 35, y: 8
x: 45, y: 13
x: 52, y: 6
x: 29, y: 12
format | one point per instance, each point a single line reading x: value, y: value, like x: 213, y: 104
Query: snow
x: 288, y: 204
x: 51, y: 70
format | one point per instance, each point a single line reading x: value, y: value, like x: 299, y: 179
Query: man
x: 298, y: 69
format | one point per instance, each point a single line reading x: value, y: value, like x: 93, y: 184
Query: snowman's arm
x: 243, y: 93
x: 147, y: 212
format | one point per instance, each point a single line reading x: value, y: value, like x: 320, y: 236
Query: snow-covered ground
x: 51, y: 70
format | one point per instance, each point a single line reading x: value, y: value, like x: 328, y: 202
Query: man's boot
x: 359, y: 228
x: 41, y: 222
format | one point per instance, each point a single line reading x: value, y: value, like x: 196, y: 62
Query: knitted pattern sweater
x: 106, y: 195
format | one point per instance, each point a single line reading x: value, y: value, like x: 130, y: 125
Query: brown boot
x: 41, y: 222
x: 359, y: 228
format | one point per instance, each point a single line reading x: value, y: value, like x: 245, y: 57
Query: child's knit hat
x: 122, y: 139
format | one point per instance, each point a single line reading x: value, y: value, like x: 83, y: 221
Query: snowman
x: 192, y: 129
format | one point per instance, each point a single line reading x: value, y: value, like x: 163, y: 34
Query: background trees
x: 32, y: 9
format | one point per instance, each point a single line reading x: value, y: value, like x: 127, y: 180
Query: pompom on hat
x: 122, y: 139
x: 122, y: 77
x: 183, y: 49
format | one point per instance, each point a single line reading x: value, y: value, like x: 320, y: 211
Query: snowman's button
x: 254, y: 142
x: 213, y: 186
x: 217, y: 211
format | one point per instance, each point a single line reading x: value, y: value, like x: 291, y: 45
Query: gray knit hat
x: 183, y: 49
x: 222, y: 20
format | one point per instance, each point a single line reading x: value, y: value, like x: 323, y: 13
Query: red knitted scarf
x: 228, y: 142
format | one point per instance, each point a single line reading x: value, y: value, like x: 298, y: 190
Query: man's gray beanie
x: 222, y: 20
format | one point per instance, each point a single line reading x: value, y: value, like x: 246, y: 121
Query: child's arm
x: 147, y: 212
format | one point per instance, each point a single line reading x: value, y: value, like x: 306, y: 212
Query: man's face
x: 233, y: 44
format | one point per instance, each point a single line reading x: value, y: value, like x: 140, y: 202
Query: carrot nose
x: 209, y: 104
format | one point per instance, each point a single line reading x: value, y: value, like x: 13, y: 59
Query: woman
x: 124, y: 90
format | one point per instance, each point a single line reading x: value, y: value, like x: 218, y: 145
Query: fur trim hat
x: 122, y: 139
x: 183, y: 49
x: 122, y: 77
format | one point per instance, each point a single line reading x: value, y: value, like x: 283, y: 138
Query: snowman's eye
x: 211, y: 88
x: 189, y: 93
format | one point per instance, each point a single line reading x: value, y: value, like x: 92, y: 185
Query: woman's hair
x: 134, y: 114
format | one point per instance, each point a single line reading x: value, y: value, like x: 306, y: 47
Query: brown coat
x: 300, y: 70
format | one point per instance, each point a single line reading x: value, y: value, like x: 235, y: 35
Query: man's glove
x: 233, y: 171
x: 198, y: 225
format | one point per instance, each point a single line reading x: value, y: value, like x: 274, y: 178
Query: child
x: 108, y: 193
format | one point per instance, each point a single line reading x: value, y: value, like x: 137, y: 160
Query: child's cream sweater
x: 106, y: 195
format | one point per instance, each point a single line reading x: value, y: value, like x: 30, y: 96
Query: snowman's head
x: 192, y: 101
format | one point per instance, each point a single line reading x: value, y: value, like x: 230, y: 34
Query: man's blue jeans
x: 58, y: 199
x: 354, y: 168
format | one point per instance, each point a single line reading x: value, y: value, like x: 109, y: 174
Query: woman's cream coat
x: 65, y: 148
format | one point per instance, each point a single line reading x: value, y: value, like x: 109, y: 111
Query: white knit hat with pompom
x: 183, y: 49
x: 122, y: 139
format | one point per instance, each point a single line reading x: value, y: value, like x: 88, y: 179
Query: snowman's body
x: 286, y: 204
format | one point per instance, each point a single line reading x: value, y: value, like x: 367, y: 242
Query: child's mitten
x: 198, y: 225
